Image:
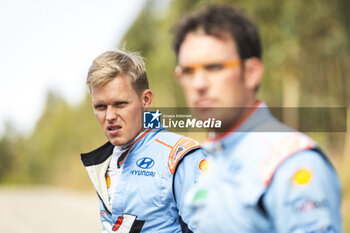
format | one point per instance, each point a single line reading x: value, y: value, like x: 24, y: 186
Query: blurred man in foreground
x: 140, y: 176
x: 263, y: 176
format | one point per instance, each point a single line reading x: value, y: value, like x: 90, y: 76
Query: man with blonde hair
x: 140, y: 175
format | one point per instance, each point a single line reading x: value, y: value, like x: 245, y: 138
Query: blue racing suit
x: 266, y: 177
x: 158, y: 169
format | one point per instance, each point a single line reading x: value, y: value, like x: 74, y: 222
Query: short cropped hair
x: 219, y: 20
x: 112, y: 64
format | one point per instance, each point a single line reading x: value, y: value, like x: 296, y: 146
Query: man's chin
x: 117, y: 141
x: 120, y: 141
x: 209, y: 113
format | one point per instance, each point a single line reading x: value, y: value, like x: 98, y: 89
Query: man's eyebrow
x: 121, y: 101
x: 98, y: 104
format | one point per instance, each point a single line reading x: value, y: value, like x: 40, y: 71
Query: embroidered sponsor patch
x: 143, y: 173
x: 302, y: 177
x: 200, y: 195
x: 108, y: 181
x: 181, y: 147
x: 128, y: 223
x: 203, y: 165
x: 287, y: 147
x: 306, y: 204
x: 313, y: 227
x: 145, y: 163
x: 103, y: 213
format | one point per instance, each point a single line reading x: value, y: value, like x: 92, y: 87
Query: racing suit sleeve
x: 304, y: 195
x: 186, y: 176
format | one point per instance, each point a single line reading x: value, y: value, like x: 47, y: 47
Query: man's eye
x: 213, y: 67
x: 100, y: 107
x: 187, y: 70
x: 120, y: 103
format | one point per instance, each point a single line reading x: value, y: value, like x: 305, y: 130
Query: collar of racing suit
x: 257, y: 115
x: 97, y: 161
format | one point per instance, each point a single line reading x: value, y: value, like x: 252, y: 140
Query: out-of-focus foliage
x: 7, y: 154
x: 51, y: 154
x: 306, y: 53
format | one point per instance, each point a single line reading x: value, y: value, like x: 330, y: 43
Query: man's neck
x: 234, y: 120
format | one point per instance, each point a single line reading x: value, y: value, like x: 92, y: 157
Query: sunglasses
x: 183, y: 71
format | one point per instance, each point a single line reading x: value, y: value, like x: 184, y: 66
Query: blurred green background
x: 306, y: 52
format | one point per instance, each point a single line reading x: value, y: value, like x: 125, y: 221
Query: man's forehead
x: 118, y: 86
x: 201, y: 47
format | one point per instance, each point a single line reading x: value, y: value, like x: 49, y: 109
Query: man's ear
x: 147, y: 97
x: 253, y: 72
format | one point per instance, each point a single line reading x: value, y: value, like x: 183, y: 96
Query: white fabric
x: 113, y: 171
x: 98, y: 176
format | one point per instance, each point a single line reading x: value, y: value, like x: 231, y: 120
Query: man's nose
x: 200, y: 80
x: 111, y: 114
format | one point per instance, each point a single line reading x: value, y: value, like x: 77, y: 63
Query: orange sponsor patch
x: 302, y: 177
x: 289, y: 146
x: 108, y: 181
x: 203, y: 165
x: 181, y: 147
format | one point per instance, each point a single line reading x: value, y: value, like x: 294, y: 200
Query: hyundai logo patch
x: 145, y: 163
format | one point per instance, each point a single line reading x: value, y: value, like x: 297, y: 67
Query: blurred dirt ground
x: 48, y: 210
x: 57, y: 210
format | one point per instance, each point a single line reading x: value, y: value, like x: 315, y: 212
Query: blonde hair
x: 112, y: 64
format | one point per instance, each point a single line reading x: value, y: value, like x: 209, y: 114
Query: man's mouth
x: 114, y: 129
x: 203, y: 103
